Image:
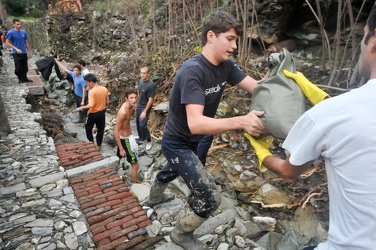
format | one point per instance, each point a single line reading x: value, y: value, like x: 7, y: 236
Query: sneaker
x: 148, y: 145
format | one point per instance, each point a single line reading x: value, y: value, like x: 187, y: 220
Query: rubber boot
x: 157, y: 194
x: 182, y: 234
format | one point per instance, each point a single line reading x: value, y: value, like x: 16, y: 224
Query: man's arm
x: 10, y: 45
x: 284, y: 169
x: 200, y: 124
x: 62, y: 66
x: 29, y: 53
x: 83, y: 95
x: 90, y: 104
x: 248, y: 83
x: 121, y: 118
x: 148, y: 106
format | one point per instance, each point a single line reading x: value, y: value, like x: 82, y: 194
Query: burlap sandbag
x: 280, y: 97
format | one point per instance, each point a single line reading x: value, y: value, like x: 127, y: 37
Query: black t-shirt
x: 198, y: 82
x: 145, y: 91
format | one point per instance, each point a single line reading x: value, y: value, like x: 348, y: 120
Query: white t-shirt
x: 85, y: 72
x: 342, y: 129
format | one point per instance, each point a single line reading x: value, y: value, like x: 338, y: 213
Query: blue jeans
x: 142, y: 125
x: 182, y: 160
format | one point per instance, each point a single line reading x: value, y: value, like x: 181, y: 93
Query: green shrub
x: 17, y: 8
x: 37, y: 13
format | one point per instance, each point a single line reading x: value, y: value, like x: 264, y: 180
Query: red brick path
x: 115, y: 218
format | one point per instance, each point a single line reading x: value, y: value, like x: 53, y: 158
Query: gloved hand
x: 261, y: 147
x: 313, y: 93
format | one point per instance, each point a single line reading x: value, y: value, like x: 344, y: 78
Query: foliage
x: 101, y: 5
x: 37, y: 13
x: 24, y: 18
x: 16, y: 7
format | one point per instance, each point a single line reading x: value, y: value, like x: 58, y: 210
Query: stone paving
x: 46, y: 202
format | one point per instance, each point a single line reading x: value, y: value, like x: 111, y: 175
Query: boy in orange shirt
x: 98, y: 99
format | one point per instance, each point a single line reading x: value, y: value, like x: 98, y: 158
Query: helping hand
x: 313, y: 93
x: 261, y: 147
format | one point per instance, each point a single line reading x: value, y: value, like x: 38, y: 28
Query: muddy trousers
x: 99, y: 120
x: 182, y: 160
x: 20, y: 66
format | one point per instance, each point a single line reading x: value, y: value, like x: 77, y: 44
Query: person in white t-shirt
x: 84, y: 70
x: 341, y: 130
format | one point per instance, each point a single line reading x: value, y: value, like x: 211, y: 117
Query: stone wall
x: 74, y: 35
x: 4, y: 124
x: 38, y: 35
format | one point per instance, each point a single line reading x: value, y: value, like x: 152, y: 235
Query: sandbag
x: 280, y: 97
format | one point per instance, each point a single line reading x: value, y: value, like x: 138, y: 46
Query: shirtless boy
x: 127, y: 146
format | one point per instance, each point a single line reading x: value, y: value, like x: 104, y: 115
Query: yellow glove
x: 310, y: 90
x: 261, y: 147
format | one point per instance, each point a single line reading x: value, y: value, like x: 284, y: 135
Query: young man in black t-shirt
x: 194, y: 99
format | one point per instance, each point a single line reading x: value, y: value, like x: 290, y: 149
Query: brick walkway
x: 115, y: 218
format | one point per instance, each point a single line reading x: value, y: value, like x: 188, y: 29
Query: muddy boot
x: 157, y: 194
x: 182, y: 234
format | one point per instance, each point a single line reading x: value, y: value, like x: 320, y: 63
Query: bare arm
x: 28, y: 48
x: 200, y: 124
x: 62, y: 66
x: 91, y: 101
x: 10, y: 45
x: 121, y: 118
x: 248, y: 83
x: 148, y: 107
x: 83, y: 95
x: 284, y: 169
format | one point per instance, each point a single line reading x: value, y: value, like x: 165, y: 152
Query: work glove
x: 313, y: 93
x: 261, y: 147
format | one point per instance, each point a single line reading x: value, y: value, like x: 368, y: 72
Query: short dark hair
x: 220, y: 22
x: 77, y: 67
x: 82, y: 62
x: 15, y: 20
x: 371, y: 22
x: 130, y: 91
x: 90, y: 78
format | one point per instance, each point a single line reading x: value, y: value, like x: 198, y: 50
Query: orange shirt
x: 98, y: 98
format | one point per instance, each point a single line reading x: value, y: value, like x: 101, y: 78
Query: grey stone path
x: 37, y: 207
